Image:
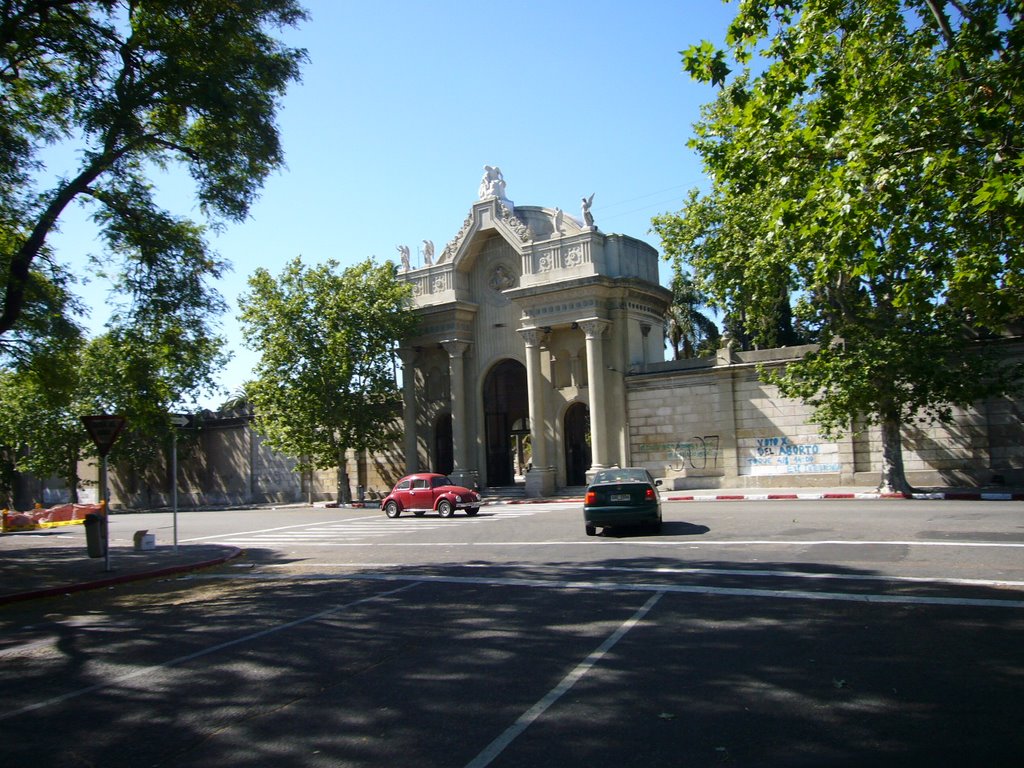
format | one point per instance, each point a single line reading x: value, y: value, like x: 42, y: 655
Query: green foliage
x: 870, y: 165
x: 325, y: 382
x: 131, y: 86
x: 40, y: 431
x: 688, y: 331
x: 135, y: 85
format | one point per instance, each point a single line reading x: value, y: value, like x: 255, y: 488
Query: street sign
x: 180, y: 420
x: 103, y: 430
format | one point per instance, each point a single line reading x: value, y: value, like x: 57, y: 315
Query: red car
x: 426, y: 491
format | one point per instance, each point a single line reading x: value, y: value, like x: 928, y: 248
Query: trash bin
x: 95, y: 540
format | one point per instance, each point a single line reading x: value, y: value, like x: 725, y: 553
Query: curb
x: 825, y: 495
x: 818, y: 496
x: 111, y: 581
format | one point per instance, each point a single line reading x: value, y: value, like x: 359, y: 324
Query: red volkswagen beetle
x: 427, y: 491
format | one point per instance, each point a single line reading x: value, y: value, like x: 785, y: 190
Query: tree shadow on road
x: 736, y: 663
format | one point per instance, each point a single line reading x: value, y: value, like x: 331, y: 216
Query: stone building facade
x: 531, y: 320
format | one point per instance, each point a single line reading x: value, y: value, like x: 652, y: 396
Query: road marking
x: 759, y: 573
x: 692, y: 544
x: 525, y: 720
x: 267, y: 530
x: 5, y: 715
x: 608, y: 586
x: 325, y: 534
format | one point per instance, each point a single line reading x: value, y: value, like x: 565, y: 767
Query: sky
x: 403, y: 102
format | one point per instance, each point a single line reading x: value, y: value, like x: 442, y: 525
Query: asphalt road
x: 748, y: 634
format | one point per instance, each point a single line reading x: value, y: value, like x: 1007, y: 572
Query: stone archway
x: 505, y: 403
x: 577, y: 444
x: 444, y: 452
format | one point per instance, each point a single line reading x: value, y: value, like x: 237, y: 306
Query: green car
x: 622, y: 497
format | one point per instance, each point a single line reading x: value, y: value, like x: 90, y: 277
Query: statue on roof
x: 403, y: 251
x: 493, y: 183
x: 428, y: 253
x: 588, y: 217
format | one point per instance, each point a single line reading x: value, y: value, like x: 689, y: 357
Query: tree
x: 143, y: 368
x: 137, y: 85
x: 873, y: 168
x: 687, y: 329
x: 325, y: 381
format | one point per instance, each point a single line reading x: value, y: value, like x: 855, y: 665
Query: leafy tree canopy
x: 866, y: 157
x: 325, y: 382
x: 688, y: 330
x: 134, y: 85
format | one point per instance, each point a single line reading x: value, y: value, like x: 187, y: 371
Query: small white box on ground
x: 144, y: 541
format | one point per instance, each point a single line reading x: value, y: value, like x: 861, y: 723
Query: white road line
x: 496, y: 747
x: 758, y: 573
x: 609, y: 586
x: 325, y: 533
x: 267, y: 530
x: 697, y: 545
x: 144, y: 671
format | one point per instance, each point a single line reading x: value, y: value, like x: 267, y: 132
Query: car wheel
x: 655, y: 527
x: 419, y: 512
x: 472, y: 510
x: 591, y: 530
x: 391, y: 509
x: 445, y: 508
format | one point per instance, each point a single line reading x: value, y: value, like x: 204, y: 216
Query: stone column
x: 408, y: 356
x: 540, y: 480
x: 456, y: 368
x: 600, y: 450
x: 645, y: 332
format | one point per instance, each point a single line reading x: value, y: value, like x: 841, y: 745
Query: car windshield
x: 620, y: 476
x: 437, y: 482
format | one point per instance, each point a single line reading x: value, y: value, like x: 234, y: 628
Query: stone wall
x: 707, y: 423
x: 712, y: 423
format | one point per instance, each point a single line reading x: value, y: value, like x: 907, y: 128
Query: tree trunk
x: 344, y: 492
x: 894, y: 477
x: 73, y: 478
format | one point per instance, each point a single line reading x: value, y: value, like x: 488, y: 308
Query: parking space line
x: 496, y: 747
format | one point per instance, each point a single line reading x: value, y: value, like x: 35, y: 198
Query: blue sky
x: 403, y: 102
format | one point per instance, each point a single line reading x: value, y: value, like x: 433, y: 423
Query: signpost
x: 177, y: 420
x: 104, y: 431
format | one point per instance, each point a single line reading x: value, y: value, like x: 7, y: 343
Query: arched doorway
x: 444, y: 452
x: 577, y: 444
x: 505, y: 403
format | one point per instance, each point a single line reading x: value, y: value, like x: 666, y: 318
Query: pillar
x: 600, y: 449
x: 408, y: 356
x: 540, y: 480
x: 456, y: 367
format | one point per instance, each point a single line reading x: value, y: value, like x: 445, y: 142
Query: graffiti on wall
x: 782, y: 456
x: 695, y: 453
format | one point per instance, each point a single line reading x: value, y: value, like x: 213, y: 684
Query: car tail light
x: 590, y: 498
x: 649, y: 496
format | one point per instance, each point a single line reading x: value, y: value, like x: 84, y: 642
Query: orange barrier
x: 62, y: 514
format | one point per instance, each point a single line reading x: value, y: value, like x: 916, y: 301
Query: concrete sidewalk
x: 994, y: 493
x: 54, y: 561
x: 778, y: 494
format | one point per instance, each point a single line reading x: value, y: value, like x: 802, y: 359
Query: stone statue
x: 403, y: 251
x: 559, y: 216
x: 428, y: 253
x: 493, y: 183
x: 588, y: 217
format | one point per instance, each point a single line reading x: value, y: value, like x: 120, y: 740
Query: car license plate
x: 620, y: 497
